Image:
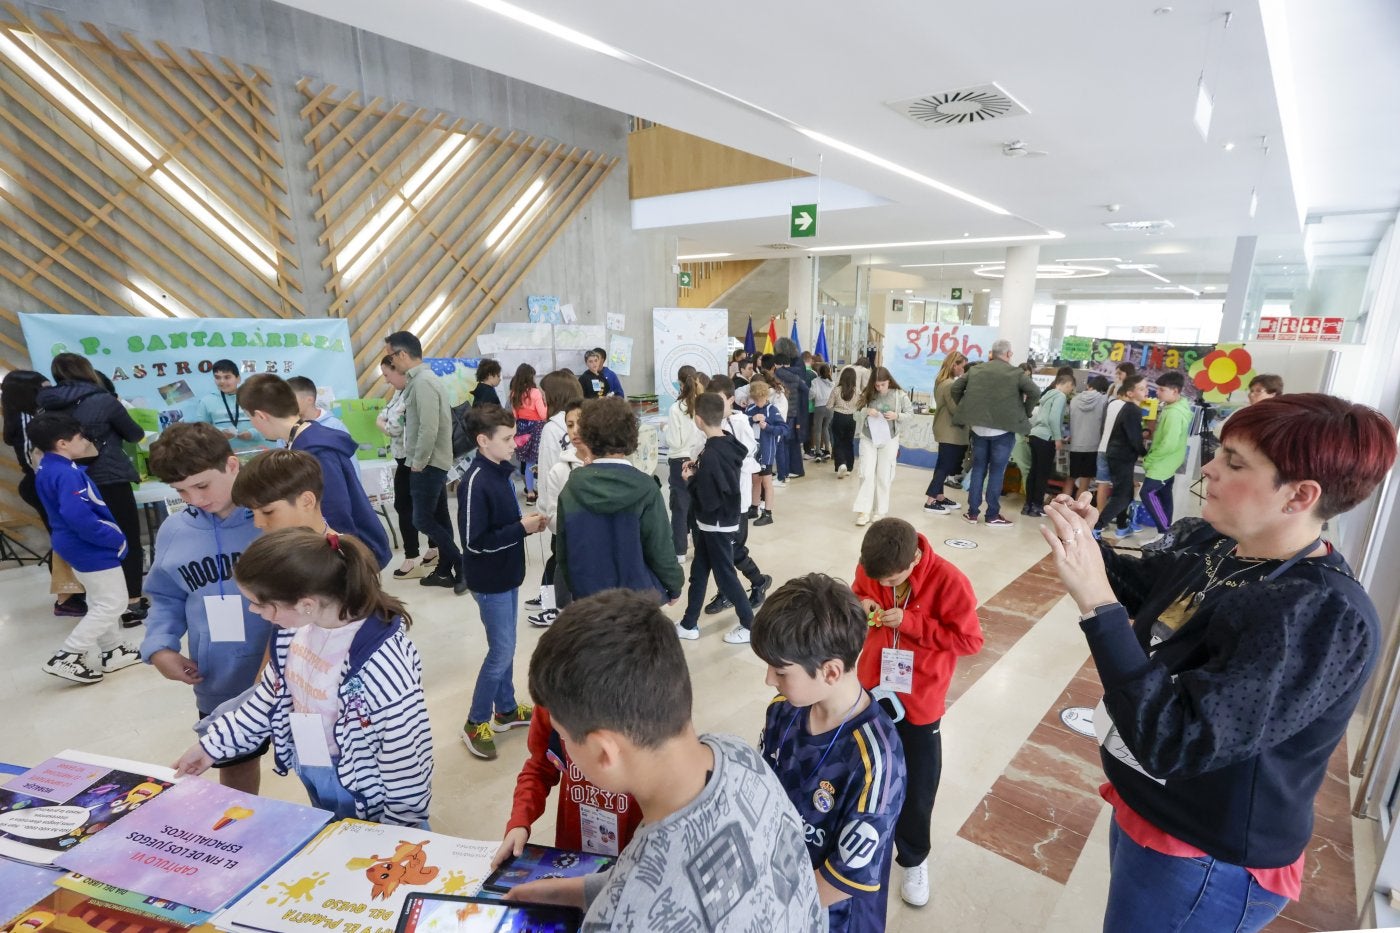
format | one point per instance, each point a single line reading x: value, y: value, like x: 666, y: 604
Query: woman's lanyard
x: 234, y: 413
x: 829, y: 746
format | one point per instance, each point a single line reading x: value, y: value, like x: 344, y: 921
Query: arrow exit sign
x: 803, y: 221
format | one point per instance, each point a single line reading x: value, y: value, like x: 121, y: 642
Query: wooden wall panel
x: 429, y: 224
x: 661, y: 160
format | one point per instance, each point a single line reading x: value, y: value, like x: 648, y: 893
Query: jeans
x: 429, y: 489
x: 495, y: 684
x: 680, y: 506
x: 843, y: 440
x: 1149, y: 892
x: 989, y: 459
x: 1157, y: 498
x: 950, y: 459
x: 714, y: 554
x: 1042, y: 465
x: 403, y: 508
x: 323, y: 786
x: 923, y: 759
x: 794, y: 455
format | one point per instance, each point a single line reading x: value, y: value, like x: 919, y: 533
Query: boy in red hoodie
x: 923, y: 616
x: 588, y: 820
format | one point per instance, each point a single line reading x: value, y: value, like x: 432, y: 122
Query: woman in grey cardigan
x: 882, y: 400
x: 995, y: 401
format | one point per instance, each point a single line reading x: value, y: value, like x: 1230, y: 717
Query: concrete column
x: 1232, y: 320
x: 802, y: 300
x: 1057, y: 329
x: 1017, y: 295
x: 981, y: 307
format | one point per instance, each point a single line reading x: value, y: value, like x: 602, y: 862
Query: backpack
x: 463, y: 441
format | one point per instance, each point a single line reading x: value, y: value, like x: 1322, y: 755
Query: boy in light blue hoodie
x: 191, y: 588
x: 83, y: 533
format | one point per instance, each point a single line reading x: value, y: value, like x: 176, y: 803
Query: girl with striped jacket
x: 342, y: 694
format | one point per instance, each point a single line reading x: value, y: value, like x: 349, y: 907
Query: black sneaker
x: 439, y: 577
x: 73, y: 606
x: 752, y: 512
x: 717, y: 605
x: 72, y: 666
x: 534, y: 603
x: 765, y: 519
x: 759, y: 590
x: 136, y: 615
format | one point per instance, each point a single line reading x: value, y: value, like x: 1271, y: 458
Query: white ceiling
x: 1110, y: 84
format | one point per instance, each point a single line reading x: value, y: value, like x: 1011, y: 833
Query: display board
x: 694, y: 336
x: 914, y: 354
x: 166, y: 365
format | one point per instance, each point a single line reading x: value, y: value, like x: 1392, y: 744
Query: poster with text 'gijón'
x: 200, y: 844
x: 56, y: 805
x: 355, y: 877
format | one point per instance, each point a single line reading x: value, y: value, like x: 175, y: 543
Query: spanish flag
x: 772, y: 336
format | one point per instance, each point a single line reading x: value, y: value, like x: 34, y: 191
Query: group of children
x: 266, y: 599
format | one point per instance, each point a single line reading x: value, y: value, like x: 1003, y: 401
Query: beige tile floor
x: 138, y: 715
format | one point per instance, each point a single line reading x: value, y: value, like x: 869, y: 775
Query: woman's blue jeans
x: 1149, y: 892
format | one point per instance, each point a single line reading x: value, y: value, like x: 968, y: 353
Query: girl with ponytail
x: 342, y: 694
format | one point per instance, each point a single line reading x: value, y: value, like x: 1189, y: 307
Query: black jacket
x: 488, y: 516
x: 105, y: 421
x: 792, y: 378
x: 484, y: 394
x: 1125, y: 441
x: 714, y: 486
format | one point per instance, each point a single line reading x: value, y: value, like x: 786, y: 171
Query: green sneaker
x: 521, y: 717
x: 479, y: 739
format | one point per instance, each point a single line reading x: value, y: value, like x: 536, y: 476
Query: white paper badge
x: 599, y: 829
x: 309, y: 736
x: 1107, y: 733
x: 897, y: 670
x: 225, y: 615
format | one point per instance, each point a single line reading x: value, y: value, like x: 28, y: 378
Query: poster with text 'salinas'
x: 199, y: 844
x: 355, y: 877
x: 69, y: 799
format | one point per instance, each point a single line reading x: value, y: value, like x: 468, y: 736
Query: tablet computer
x: 537, y: 862
x: 447, y: 913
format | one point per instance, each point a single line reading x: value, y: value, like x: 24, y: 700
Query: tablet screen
x: 442, y: 913
x: 537, y: 862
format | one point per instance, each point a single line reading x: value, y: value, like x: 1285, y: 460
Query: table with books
x: 90, y: 844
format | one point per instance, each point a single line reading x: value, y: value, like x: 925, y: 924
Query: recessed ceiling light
x: 1051, y: 235
x: 1162, y: 11
x: 909, y: 291
x: 693, y: 256
x: 1228, y: 147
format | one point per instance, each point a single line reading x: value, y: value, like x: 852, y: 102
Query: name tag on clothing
x: 225, y: 615
x: 1107, y: 733
x: 599, y: 828
x: 309, y: 736
x: 897, y: 670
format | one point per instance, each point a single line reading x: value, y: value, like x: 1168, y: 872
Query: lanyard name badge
x: 224, y: 612
x: 896, y: 663
x: 233, y: 411
x: 598, y: 828
x: 309, y: 737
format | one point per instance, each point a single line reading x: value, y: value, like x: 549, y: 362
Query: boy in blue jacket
x: 272, y: 405
x: 493, y: 567
x: 83, y: 533
x: 191, y: 588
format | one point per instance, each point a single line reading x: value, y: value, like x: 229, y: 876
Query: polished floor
x: 1020, y: 835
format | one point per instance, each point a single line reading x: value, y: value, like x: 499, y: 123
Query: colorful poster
x: 620, y: 354
x: 355, y: 876
x: 166, y: 365
x: 458, y: 374
x: 543, y: 309
x: 914, y: 354
x: 69, y: 799
x: 200, y: 844
x: 157, y: 908
x: 21, y: 887
x: 694, y: 336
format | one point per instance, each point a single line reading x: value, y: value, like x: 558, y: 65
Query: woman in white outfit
x: 882, y: 400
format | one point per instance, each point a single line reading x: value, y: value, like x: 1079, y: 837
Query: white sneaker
x: 862, y: 519
x: 779, y: 484
x: 914, y: 890
x: 543, y: 619
x: 878, y: 516
x: 118, y: 658
x: 738, y: 635
x: 72, y: 666
x: 841, y: 471
x: 689, y: 634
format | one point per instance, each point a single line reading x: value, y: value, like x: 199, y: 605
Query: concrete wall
x: 598, y: 263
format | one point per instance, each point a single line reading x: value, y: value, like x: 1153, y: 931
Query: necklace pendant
x: 1197, y: 599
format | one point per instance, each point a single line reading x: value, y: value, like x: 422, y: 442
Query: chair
x: 359, y: 416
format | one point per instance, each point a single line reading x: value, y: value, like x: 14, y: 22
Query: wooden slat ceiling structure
x: 429, y: 223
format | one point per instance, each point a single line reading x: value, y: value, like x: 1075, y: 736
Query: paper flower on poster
x: 1222, y: 371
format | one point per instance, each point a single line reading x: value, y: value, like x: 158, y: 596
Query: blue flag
x: 793, y: 335
x: 821, y: 342
x: 749, y: 347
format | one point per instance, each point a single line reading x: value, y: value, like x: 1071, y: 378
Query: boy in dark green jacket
x: 612, y: 526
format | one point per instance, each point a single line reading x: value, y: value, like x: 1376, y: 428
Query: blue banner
x: 165, y: 364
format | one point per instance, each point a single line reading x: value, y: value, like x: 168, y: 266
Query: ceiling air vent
x: 1141, y: 226
x: 965, y: 105
x: 777, y: 246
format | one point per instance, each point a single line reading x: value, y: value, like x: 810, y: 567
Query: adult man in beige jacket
x: 995, y: 400
x: 428, y: 447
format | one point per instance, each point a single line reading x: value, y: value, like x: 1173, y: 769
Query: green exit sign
x: 687, y: 279
x: 803, y: 221
x: 957, y: 294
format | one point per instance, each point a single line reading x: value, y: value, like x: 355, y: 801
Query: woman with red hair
x: 1230, y: 666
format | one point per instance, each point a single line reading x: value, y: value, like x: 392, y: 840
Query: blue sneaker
x: 1133, y: 529
x: 1098, y: 535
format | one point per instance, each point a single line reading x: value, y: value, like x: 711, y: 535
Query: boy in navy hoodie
x: 712, y: 482
x: 493, y: 567
x: 272, y: 405
x: 190, y: 586
x: 83, y: 533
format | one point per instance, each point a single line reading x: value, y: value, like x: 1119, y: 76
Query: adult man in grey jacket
x: 995, y: 400
x: 428, y: 447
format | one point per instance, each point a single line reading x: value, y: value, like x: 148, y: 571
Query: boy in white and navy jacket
x: 83, y: 533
